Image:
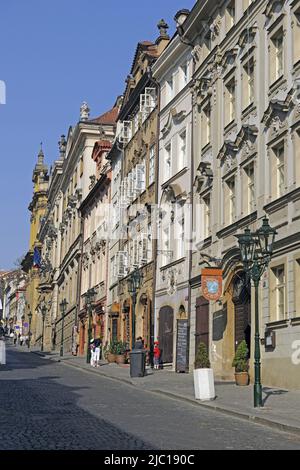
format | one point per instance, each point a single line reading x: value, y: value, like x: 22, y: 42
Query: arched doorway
x: 241, y: 297
x: 166, y: 329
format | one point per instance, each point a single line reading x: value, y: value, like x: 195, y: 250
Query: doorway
x: 166, y: 330
x: 202, y: 323
x: 242, y: 309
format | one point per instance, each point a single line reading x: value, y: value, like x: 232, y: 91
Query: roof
x: 147, y: 47
x: 110, y: 117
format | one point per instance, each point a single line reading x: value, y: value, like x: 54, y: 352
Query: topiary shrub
x: 240, y: 361
x: 202, y: 359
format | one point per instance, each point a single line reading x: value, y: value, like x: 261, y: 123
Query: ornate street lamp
x: 256, y: 252
x: 29, y: 332
x: 44, y: 313
x: 63, y: 308
x: 89, y: 299
x: 134, y: 283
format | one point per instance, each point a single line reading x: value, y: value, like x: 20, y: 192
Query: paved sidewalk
x: 281, y: 407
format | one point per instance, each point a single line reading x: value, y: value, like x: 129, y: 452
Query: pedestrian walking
x: 97, y: 349
x: 15, y: 338
x: 156, y: 352
x: 92, y: 349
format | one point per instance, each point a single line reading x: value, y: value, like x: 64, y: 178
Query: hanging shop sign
x: 211, y: 280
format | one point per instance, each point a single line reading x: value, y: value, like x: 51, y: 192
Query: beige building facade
x: 246, y: 166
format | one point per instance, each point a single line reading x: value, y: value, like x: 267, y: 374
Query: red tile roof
x: 110, y: 117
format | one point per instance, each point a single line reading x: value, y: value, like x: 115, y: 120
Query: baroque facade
x: 204, y: 143
x: 246, y: 165
x: 133, y: 209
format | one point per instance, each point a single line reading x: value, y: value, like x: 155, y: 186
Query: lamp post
x: 89, y: 299
x: 44, y: 313
x: 256, y: 252
x: 63, y: 307
x: 134, y: 282
x: 29, y: 332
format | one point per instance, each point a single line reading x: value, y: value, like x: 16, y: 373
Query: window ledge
x: 279, y: 81
x: 295, y: 321
x: 229, y: 126
x: 173, y: 263
x: 277, y: 324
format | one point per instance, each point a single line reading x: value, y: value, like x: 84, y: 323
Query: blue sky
x: 54, y: 55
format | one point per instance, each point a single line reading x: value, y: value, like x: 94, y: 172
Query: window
x: 182, y: 151
x: 231, y: 200
x: 166, y: 232
x: 206, y: 224
x: 206, y: 125
x: 296, y: 35
x: 147, y: 102
x: 167, y: 162
x: 183, y: 75
x: 170, y: 88
x: 230, y: 101
x: 279, y: 274
x: 149, y: 240
x: 139, y: 178
x: 249, y: 170
x: 277, y: 55
x: 207, y: 43
x: 230, y: 15
x: 180, y: 238
x: 280, y: 170
x: 136, y: 123
x: 81, y: 166
x: 248, y: 84
x: 152, y: 165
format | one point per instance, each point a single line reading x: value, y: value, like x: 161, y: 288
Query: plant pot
x: 204, y: 384
x: 120, y: 358
x: 111, y: 357
x: 242, y: 378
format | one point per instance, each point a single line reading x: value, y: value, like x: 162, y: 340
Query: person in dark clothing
x: 97, y: 351
x: 139, y: 344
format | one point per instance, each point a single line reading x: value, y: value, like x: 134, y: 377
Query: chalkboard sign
x: 182, y: 346
x: 219, y: 323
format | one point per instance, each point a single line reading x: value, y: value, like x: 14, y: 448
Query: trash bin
x: 137, y: 363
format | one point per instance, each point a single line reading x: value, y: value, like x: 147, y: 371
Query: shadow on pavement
x: 42, y: 414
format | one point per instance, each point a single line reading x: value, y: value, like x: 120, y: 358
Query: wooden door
x: 166, y: 330
x: 202, y: 323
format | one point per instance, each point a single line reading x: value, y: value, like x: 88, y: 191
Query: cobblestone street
x: 48, y: 405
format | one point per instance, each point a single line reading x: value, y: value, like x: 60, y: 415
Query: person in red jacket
x: 156, y: 353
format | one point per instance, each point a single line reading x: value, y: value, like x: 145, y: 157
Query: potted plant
x: 203, y: 375
x: 120, y: 352
x: 112, y: 351
x: 241, y: 364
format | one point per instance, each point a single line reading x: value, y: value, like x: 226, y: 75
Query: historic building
x: 13, y: 301
x: 30, y: 263
x: 132, y: 312
x: 246, y: 165
x: 95, y: 212
x: 50, y: 237
x: 173, y: 72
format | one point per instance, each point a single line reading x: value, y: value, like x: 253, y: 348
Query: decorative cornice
x: 174, y: 117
